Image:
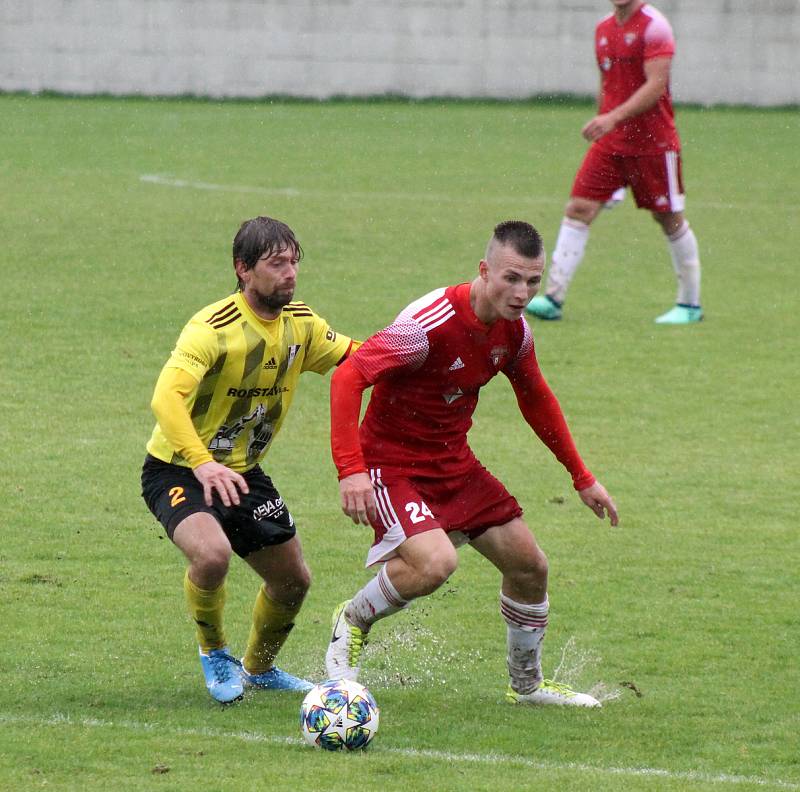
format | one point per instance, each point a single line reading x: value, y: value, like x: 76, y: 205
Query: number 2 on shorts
x: 176, y: 496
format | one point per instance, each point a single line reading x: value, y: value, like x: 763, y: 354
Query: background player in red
x: 409, y: 471
x: 634, y: 144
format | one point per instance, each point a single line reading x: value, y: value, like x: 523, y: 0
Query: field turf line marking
x: 165, y: 180
x: 170, y: 181
x: 446, y: 756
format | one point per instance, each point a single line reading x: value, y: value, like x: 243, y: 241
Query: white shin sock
x: 378, y: 599
x: 525, y: 633
x: 567, y: 256
x: 686, y: 263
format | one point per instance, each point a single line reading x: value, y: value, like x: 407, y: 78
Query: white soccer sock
x: 378, y: 599
x: 526, y: 627
x: 686, y: 263
x: 567, y: 256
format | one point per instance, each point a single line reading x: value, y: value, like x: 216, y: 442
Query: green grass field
x: 116, y: 218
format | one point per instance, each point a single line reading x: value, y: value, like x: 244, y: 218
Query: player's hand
x: 216, y: 476
x: 600, y: 125
x: 358, y: 498
x: 600, y: 502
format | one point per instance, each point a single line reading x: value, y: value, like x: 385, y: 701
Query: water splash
x: 577, y: 664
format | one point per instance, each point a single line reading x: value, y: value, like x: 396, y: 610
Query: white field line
x: 166, y: 180
x: 444, y: 756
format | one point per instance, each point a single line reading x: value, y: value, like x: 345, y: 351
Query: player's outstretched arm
x: 358, y: 498
x: 600, y: 502
x: 216, y: 476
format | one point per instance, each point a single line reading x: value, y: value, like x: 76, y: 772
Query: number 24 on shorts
x: 417, y: 512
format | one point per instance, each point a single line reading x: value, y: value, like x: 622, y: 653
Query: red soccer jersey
x: 427, y: 369
x: 621, y: 53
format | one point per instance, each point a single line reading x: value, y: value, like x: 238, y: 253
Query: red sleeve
x: 539, y: 406
x: 659, y: 41
x: 347, y: 386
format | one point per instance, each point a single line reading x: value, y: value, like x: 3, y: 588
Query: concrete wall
x: 735, y: 51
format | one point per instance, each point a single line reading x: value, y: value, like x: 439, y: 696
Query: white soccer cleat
x: 344, y: 650
x: 550, y: 692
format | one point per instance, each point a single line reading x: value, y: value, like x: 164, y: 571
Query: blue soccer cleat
x: 544, y: 307
x: 681, y: 314
x: 223, y: 674
x: 275, y: 679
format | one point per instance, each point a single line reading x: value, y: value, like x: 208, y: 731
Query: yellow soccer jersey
x: 247, y: 370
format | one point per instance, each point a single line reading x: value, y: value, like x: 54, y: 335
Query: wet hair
x: 519, y: 235
x: 263, y: 236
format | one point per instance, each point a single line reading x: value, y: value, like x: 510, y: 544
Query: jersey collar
x: 460, y: 300
x: 270, y: 326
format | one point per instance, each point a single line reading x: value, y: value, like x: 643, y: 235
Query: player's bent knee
x: 439, y: 570
x: 213, y: 561
x: 432, y: 572
x: 530, y: 573
x: 537, y: 568
x: 298, y: 586
x: 539, y: 564
x: 582, y: 210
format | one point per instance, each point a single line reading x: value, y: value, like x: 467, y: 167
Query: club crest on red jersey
x: 497, y: 354
x: 630, y: 38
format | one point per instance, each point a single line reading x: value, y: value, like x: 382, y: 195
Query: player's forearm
x: 541, y: 410
x: 647, y: 95
x: 639, y: 102
x: 169, y: 407
x: 347, y: 387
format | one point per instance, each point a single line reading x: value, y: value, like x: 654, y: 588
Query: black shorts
x: 261, y: 519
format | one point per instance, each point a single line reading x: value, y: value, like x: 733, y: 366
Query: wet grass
x: 684, y: 618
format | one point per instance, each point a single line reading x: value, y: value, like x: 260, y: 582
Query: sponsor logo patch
x: 269, y: 509
x: 451, y: 396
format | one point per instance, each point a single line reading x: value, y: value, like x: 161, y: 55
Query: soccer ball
x: 339, y: 714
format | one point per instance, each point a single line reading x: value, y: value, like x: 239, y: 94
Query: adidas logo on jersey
x: 271, y: 364
x: 458, y: 363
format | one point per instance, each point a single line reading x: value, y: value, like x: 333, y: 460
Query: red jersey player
x: 634, y: 144
x: 410, y: 472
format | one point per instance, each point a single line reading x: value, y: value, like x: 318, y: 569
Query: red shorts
x: 655, y: 179
x: 466, y: 505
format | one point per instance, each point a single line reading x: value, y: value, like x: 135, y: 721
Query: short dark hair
x: 521, y: 236
x: 260, y: 236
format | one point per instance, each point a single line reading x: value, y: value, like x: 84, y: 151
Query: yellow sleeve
x: 326, y: 347
x: 169, y: 405
x: 196, y: 350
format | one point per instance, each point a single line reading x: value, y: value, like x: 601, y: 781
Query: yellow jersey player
x: 220, y: 400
